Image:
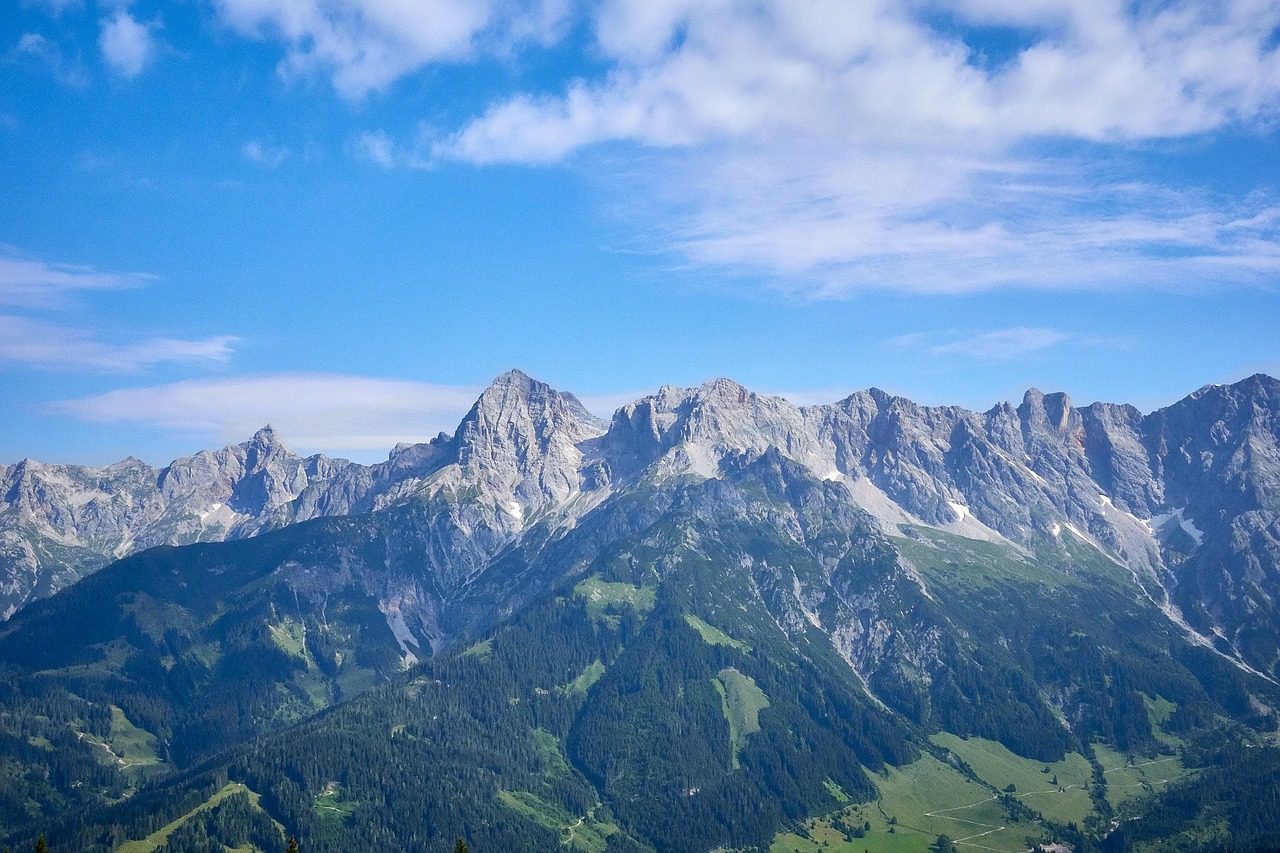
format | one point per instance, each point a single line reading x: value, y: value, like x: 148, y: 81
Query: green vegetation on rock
x: 714, y: 635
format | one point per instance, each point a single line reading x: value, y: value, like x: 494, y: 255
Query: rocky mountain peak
x: 882, y: 398
x: 520, y: 440
x: 517, y: 409
x: 515, y: 379
x: 265, y: 437
x: 692, y: 429
x: 725, y: 390
x: 1047, y: 412
x: 526, y: 451
x: 262, y: 448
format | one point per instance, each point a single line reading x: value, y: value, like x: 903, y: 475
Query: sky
x: 345, y: 217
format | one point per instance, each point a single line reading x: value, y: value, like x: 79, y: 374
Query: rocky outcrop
x: 514, y: 454
x: 1187, y: 498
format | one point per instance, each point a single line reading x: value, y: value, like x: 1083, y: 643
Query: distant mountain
x: 58, y: 523
x: 710, y: 619
x: 1187, y: 498
x: 1176, y: 495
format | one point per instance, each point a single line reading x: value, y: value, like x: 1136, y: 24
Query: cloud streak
x: 267, y: 156
x: 33, y: 283
x: 30, y: 287
x: 34, y: 46
x: 1003, y: 343
x: 312, y: 411
x: 842, y: 147
x: 999, y: 344
x: 52, y: 347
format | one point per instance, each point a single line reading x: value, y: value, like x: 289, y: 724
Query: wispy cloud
x: 841, y: 147
x: 1003, y: 343
x: 268, y: 156
x: 365, y: 45
x: 36, y: 47
x: 376, y: 147
x: 52, y: 347
x: 31, y: 282
x: 312, y: 411
x: 32, y: 288
x: 999, y: 344
x: 128, y: 45
x: 57, y: 7
x: 836, y: 147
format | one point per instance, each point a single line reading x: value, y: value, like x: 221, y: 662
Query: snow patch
x: 219, y: 514
x: 514, y: 510
x: 1081, y: 535
x: 122, y: 550
x: 833, y: 476
x: 1036, y: 476
x: 970, y: 528
x: 1113, y: 515
x: 1158, y: 521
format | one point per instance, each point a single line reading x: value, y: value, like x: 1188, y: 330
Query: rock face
x: 1186, y: 498
x: 517, y: 449
x: 58, y: 522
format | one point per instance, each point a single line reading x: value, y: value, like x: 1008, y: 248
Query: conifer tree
x: 461, y: 847
x: 293, y: 845
x: 41, y: 845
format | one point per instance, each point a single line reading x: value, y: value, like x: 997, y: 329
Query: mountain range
x: 714, y: 619
x: 1174, y: 496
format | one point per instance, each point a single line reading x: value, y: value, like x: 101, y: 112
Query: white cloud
x: 836, y: 147
x: 311, y: 411
x: 32, y: 286
x: 34, y: 46
x: 376, y: 147
x: 839, y: 146
x: 52, y: 347
x: 1003, y: 343
x: 127, y: 45
x: 692, y: 71
x: 365, y: 45
x: 30, y: 282
x: 264, y: 155
x: 1014, y: 342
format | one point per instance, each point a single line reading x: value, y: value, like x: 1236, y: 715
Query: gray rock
x: 1186, y: 498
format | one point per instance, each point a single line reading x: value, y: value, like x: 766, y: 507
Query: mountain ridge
x: 1124, y: 482
x: 693, y: 664
x: 714, y: 599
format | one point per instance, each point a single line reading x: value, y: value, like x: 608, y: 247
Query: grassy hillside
x: 686, y: 670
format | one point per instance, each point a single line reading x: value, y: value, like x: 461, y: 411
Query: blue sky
x: 346, y: 216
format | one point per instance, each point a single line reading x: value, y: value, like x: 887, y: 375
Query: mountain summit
x: 1173, y: 496
x: 520, y: 443
x: 716, y: 618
